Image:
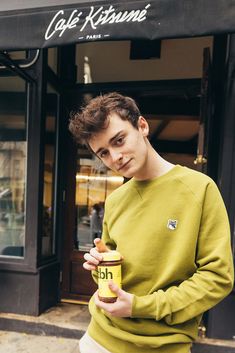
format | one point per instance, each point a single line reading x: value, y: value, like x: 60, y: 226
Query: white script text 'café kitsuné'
x: 95, y: 18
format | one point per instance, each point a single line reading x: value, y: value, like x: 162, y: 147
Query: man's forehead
x: 113, y: 124
x: 104, y: 139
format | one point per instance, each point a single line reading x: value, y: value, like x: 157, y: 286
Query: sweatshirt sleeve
x: 211, y: 282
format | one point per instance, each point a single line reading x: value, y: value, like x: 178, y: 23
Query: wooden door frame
x: 77, y: 283
x: 69, y: 213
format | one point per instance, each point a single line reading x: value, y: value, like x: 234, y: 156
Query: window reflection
x: 13, y: 157
x: 94, y: 182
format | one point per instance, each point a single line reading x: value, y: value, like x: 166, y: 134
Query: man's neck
x: 155, y: 166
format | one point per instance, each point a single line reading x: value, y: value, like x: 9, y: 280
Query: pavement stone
x: 15, y: 342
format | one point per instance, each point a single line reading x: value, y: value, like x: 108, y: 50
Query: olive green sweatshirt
x: 174, y: 235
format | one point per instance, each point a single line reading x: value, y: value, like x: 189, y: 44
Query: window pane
x: 94, y: 182
x: 49, y: 175
x: 13, y: 157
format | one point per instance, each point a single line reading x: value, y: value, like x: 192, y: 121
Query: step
x: 64, y: 320
x: 209, y: 345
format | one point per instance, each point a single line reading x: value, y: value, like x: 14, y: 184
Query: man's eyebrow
x: 110, y: 141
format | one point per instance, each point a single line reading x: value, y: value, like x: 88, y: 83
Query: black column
x: 221, y: 321
x: 67, y: 70
x: 226, y: 177
x: 216, y: 91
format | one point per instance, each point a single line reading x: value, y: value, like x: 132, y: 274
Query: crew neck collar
x: 157, y: 179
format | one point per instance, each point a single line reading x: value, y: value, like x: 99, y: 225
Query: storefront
x: 55, y: 57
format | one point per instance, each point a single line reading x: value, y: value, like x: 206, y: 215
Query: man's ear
x: 143, y: 126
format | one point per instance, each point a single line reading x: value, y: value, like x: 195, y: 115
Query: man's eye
x: 119, y: 140
x: 103, y: 154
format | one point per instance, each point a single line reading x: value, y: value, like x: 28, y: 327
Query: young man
x: 170, y: 225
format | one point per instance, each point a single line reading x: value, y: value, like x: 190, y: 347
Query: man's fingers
x: 89, y: 267
x: 120, y: 308
x: 96, y: 254
x: 91, y: 259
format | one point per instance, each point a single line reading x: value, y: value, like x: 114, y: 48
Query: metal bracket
x: 22, y: 65
x: 12, y: 66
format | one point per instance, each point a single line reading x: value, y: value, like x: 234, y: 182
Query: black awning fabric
x: 40, y: 23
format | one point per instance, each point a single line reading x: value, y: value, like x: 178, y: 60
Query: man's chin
x: 127, y: 175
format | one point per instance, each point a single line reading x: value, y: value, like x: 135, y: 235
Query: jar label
x: 105, y: 274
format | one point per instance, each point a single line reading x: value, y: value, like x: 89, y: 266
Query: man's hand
x: 94, y: 257
x: 122, y: 307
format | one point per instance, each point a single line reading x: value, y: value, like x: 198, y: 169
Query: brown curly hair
x: 94, y: 117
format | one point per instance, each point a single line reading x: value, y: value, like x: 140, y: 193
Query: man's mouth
x: 124, y: 165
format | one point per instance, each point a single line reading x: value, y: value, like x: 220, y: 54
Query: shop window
x: 94, y: 182
x: 13, y: 157
x: 48, y: 245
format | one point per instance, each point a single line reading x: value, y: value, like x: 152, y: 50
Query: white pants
x: 88, y: 345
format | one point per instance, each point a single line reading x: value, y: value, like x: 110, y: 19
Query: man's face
x: 122, y: 147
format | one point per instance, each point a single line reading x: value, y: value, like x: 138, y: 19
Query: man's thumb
x: 114, y: 288
x: 101, y: 247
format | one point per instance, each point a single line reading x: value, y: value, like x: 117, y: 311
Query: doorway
x: 174, y: 118
x: 178, y: 115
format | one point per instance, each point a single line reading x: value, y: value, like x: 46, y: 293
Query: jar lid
x: 112, y: 255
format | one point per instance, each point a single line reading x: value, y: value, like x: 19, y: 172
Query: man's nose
x: 115, y: 156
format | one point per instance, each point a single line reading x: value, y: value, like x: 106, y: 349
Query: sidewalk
x: 15, y: 342
x: 58, y: 330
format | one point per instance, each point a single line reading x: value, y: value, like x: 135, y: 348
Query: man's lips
x: 124, y: 165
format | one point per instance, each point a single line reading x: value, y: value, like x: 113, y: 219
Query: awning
x: 47, y: 23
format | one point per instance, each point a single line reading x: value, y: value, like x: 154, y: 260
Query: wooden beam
x: 172, y: 97
x: 168, y: 146
x: 159, y: 129
x: 172, y: 117
x: 169, y: 106
x: 184, y: 88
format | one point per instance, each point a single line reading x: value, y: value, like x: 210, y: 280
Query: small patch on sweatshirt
x: 172, y: 224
